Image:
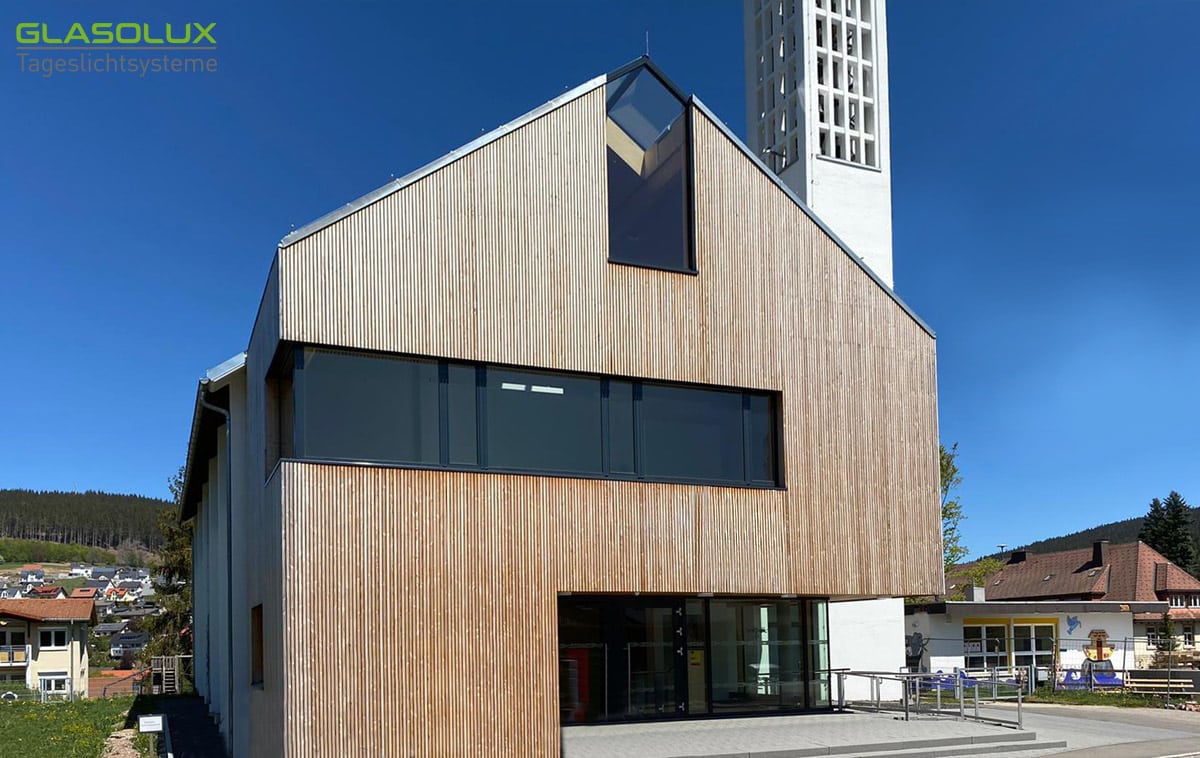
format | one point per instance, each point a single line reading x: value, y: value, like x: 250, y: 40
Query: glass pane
x: 366, y: 408
x: 756, y: 655
x: 543, y: 422
x: 761, y: 438
x: 697, y: 662
x: 650, y: 656
x: 583, y: 660
x: 620, y: 428
x: 996, y: 639
x: 818, y: 695
x: 461, y: 401
x: 647, y: 173
x: 692, y: 433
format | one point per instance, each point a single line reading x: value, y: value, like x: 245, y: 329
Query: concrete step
x: 942, y: 747
x: 996, y: 749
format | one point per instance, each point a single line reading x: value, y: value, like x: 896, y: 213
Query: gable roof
x: 68, y: 609
x: 48, y: 590
x: 89, y: 592
x: 398, y: 184
x: 1132, y: 571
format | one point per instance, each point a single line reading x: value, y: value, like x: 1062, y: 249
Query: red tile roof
x: 34, y: 609
x: 89, y: 592
x: 48, y: 590
x: 1133, y: 571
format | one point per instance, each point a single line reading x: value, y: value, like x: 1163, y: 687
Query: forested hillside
x: 93, y: 519
x: 1117, y: 532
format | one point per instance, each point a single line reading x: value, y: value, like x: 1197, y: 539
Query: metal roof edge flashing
x: 809, y: 212
x: 397, y: 184
x: 226, y: 367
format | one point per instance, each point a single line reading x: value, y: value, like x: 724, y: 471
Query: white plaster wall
x: 1071, y: 642
x: 867, y: 635
x: 943, y: 640
x: 856, y: 203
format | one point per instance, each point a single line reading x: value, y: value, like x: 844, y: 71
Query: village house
x: 43, y: 645
x: 1058, y: 608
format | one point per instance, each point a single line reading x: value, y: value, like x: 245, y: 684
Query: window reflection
x: 648, y: 196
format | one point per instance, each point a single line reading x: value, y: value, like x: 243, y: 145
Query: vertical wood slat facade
x: 437, y: 590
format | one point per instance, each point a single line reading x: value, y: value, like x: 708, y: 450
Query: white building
x: 984, y: 634
x: 817, y: 113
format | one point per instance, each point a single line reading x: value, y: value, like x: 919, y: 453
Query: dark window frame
x: 257, y: 678
x: 481, y: 436
x: 692, y: 267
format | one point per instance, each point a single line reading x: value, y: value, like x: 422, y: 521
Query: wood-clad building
x: 586, y: 421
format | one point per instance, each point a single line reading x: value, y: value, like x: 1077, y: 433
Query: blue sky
x: 1044, y: 180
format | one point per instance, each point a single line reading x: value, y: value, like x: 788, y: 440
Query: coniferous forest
x: 93, y: 519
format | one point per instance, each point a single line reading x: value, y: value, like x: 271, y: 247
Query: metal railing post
x: 976, y: 699
x: 939, y: 698
x: 878, y: 685
x: 841, y: 680
x: 962, y: 696
x: 1020, y: 714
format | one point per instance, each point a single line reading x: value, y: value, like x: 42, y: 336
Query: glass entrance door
x: 653, y: 653
x: 659, y: 657
x: 622, y: 658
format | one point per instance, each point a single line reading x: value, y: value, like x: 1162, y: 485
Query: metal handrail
x: 912, y: 693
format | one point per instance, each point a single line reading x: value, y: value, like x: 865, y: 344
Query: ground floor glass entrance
x: 630, y: 657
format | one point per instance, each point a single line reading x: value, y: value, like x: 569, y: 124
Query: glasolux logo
x: 122, y: 47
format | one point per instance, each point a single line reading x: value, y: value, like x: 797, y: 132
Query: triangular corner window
x: 649, y: 192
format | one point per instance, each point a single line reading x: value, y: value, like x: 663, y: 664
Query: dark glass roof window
x: 649, y: 176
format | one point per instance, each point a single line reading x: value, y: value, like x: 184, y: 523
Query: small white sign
x: 150, y: 723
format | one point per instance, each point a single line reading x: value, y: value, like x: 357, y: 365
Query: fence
x: 1052, y: 656
x: 937, y: 695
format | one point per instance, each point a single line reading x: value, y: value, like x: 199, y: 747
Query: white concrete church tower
x: 817, y: 113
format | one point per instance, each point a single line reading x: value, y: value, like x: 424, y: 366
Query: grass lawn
x: 1116, y: 697
x: 62, y: 730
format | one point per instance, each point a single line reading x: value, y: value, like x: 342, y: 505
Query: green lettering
x: 204, y: 32
x: 27, y: 34
x: 76, y: 33
x: 102, y: 34
x: 137, y: 34
x: 150, y: 40
x: 181, y: 40
x: 48, y: 39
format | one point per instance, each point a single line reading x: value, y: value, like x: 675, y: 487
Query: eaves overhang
x: 965, y: 608
x: 202, y: 443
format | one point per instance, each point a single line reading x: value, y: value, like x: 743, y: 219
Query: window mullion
x: 481, y: 416
x: 746, y: 436
x: 444, y: 413
x: 639, y: 467
x: 605, y: 433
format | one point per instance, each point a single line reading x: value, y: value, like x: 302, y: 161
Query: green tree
x: 952, y: 549
x: 973, y: 575
x: 1168, y: 529
x: 171, y: 630
x: 1152, y: 526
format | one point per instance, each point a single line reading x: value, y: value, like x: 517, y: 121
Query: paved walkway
x: 1091, y: 731
x: 1102, y: 731
x: 193, y: 734
x: 762, y: 735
